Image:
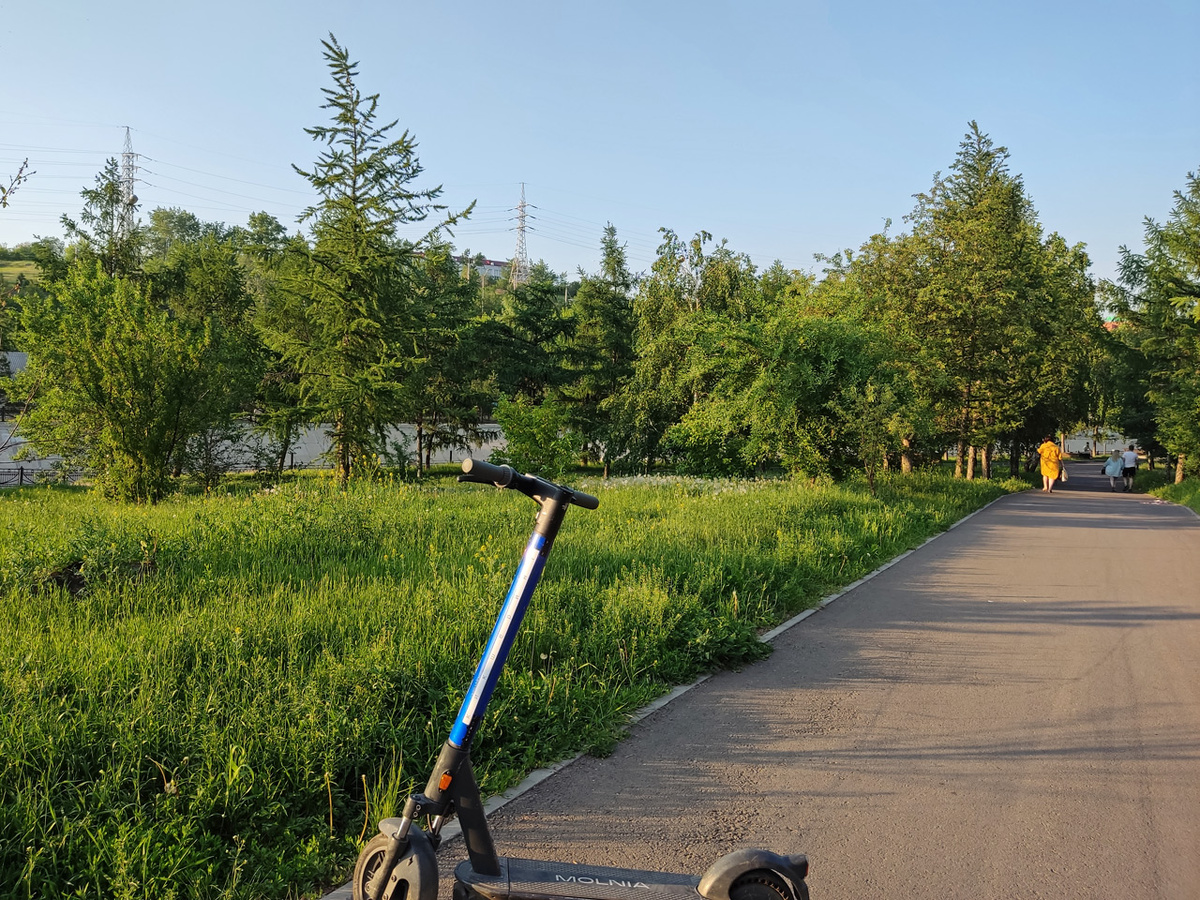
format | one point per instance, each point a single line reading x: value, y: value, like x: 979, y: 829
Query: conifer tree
x: 351, y: 344
x: 1159, y: 302
x: 599, y: 355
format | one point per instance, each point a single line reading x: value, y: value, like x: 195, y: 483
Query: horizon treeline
x: 154, y: 345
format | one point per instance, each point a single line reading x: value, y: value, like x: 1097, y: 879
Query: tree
x: 449, y: 387
x: 118, y: 379
x: 273, y: 262
x: 169, y: 227
x: 14, y: 183
x: 264, y: 238
x: 977, y: 231
x: 814, y: 393
x: 1159, y: 300
x: 538, y: 436
x: 201, y: 282
x: 50, y: 256
x: 684, y: 305
x: 1067, y: 340
x: 598, y: 356
x: 131, y: 363
x: 101, y: 234
x: 994, y: 322
x: 350, y: 342
x: 529, y: 335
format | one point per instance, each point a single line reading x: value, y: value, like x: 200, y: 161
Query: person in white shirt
x: 1130, y: 459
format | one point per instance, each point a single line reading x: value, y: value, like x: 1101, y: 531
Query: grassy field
x: 215, y: 697
x: 11, y: 269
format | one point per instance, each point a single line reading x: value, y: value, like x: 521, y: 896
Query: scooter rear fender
x: 720, y: 876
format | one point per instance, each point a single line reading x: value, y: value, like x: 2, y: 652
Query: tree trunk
x: 1179, y: 468
x: 971, y: 454
x: 985, y: 458
x: 958, y: 462
x: 420, y: 448
x: 906, y: 457
x: 343, y: 451
x: 284, y: 447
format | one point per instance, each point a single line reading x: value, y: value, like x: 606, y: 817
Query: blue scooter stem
x: 487, y: 673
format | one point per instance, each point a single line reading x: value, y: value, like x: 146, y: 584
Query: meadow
x: 11, y: 270
x: 218, y: 696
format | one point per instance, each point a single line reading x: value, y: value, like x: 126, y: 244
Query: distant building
x: 1098, y: 443
x: 487, y: 268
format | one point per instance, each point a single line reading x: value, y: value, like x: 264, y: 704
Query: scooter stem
x: 487, y: 673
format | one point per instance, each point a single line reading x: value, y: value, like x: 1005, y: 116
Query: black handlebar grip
x: 587, y: 501
x: 485, y: 473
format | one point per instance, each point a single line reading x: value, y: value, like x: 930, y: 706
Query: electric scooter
x: 399, y: 863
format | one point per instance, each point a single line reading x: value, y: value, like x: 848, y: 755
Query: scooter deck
x: 532, y: 879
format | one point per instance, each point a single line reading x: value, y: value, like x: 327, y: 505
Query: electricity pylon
x: 520, y: 265
x: 128, y: 179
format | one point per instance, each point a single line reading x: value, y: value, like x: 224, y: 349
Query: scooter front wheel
x: 763, y: 884
x: 412, y: 872
x: 367, y: 867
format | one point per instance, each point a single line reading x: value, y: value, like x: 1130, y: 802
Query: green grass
x: 194, y: 692
x: 11, y: 269
x: 1187, y: 493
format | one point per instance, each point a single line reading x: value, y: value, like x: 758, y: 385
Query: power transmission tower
x: 520, y: 266
x: 129, y: 199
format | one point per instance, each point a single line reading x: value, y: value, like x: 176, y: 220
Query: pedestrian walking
x: 1130, y: 460
x: 1114, y: 468
x: 1051, y: 456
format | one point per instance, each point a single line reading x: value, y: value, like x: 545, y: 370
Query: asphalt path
x: 1011, y: 711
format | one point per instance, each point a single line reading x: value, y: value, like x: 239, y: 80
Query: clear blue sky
x: 788, y: 128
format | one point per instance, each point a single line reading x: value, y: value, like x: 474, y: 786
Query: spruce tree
x: 351, y: 345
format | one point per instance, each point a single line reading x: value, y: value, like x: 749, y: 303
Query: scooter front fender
x: 413, y: 873
x: 720, y: 876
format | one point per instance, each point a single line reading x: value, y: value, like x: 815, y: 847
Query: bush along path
x: 218, y: 697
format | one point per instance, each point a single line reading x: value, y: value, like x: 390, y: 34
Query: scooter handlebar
x: 480, y: 472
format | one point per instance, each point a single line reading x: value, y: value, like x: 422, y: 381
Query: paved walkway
x: 1011, y: 711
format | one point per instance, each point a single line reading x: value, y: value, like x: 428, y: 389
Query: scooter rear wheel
x: 763, y: 884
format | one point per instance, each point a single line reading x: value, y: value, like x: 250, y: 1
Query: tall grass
x: 1186, y: 493
x: 202, y: 698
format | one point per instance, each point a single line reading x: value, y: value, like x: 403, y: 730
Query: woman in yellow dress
x: 1051, y: 463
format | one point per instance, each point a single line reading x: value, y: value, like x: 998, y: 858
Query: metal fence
x: 23, y: 476
x: 17, y: 477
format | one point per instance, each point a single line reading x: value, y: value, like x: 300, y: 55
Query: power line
x: 225, y: 195
x: 269, y: 187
